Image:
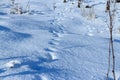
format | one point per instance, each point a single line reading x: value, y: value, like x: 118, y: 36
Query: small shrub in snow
x: 88, y: 11
x: 16, y: 8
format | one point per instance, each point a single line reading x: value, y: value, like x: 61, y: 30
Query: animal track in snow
x: 56, y: 39
x: 51, y: 49
x: 53, y: 43
x: 58, y: 35
x: 53, y: 55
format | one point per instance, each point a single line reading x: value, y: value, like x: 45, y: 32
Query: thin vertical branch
x: 109, y: 61
x: 27, y: 6
x: 111, y: 13
x: 113, y: 55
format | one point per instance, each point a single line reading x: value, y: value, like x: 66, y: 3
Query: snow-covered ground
x: 55, y: 42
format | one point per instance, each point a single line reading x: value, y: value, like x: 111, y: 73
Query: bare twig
x: 27, y: 6
x: 109, y: 61
x: 111, y: 13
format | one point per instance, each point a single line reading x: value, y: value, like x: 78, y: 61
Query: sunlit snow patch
x: 90, y: 34
x: 12, y: 64
x: 44, y: 77
x: 53, y: 55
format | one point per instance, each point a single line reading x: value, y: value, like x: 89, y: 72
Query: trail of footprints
x: 53, y: 49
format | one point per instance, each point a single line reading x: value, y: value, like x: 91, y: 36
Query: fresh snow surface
x: 55, y: 42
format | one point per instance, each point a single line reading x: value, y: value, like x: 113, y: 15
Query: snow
x: 55, y: 42
x: 12, y: 64
x: 44, y: 77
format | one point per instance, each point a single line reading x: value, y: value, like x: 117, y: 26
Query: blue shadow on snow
x: 116, y: 40
x: 4, y: 28
x: 1, y: 13
x: 12, y: 35
x: 35, y: 68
